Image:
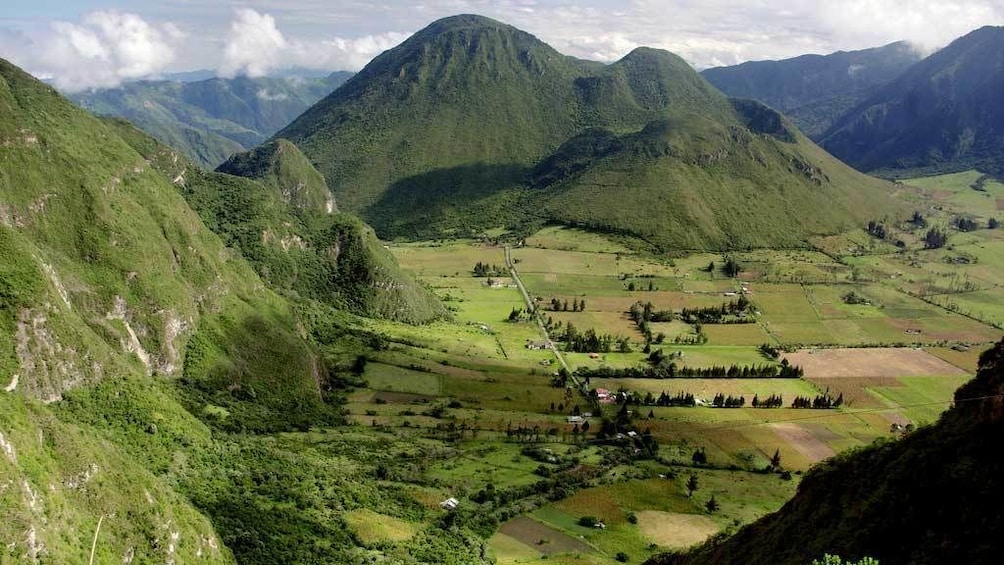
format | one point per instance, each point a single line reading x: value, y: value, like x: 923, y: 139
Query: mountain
x: 451, y: 132
x: 107, y: 280
x: 942, y: 115
x: 142, y: 352
x: 208, y: 120
x: 930, y: 497
x: 815, y: 90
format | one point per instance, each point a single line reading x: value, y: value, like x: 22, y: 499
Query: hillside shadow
x: 462, y: 198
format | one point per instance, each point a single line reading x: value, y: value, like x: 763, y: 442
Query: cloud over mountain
x: 256, y: 46
x: 103, y: 49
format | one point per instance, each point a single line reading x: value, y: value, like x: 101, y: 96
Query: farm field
x: 889, y: 332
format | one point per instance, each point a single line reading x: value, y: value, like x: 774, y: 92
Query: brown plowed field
x: 877, y: 362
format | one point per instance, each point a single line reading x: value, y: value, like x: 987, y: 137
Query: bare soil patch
x: 671, y: 529
x: 532, y: 533
x: 803, y: 441
x: 874, y: 362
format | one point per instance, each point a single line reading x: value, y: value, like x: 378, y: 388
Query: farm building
x: 537, y: 344
x: 449, y: 504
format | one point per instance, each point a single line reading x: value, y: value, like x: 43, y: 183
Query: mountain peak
x: 463, y: 22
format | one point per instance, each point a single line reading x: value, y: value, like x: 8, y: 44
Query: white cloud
x: 264, y: 94
x: 102, y: 50
x: 927, y: 23
x: 266, y: 35
x: 256, y: 46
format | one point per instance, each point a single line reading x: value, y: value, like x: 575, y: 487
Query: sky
x: 82, y: 44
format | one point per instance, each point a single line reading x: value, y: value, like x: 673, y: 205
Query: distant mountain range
x: 943, y: 114
x: 815, y: 90
x: 886, y: 112
x: 210, y: 119
x: 471, y: 124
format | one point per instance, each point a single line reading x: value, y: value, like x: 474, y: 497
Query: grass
x: 923, y: 398
x: 372, y: 528
x: 396, y: 379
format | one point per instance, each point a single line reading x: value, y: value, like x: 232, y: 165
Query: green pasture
x: 398, y: 379
x: 572, y: 239
x: 707, y: 388
x: 450, y: 259
x: 923, y: 398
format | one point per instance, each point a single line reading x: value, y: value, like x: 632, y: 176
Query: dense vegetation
x: 211, y: 119
x: 175, y: 363
x: 281, y: 217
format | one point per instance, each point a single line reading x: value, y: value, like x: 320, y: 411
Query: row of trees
x: 772, y: 401
x: 590, y: 342
x: 562, y: 305
x: 647, y: 313
x: 486, y: 270
x: 732, y: 312
x: 820, y: 402
x: 722, y: 401
x: 671, y: 371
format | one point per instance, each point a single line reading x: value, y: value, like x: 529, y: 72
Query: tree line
x: 485, y: 270
x: 672, y: 371
x: 732, y: 312
x: 820, y: 402
x: 562, y: 305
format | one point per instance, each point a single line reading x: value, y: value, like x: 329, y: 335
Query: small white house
x: 449, y: 504
x: 575, y: 419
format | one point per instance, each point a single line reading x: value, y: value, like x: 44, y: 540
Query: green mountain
x: 930, y: 497
x: 453, y: 132
x: 145, y: 363
x: 942, y: 115
x: 815, y: 90
x: 108, y: 278
x: 208, y: 120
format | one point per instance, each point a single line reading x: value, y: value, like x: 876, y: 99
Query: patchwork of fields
x: 884, y: 330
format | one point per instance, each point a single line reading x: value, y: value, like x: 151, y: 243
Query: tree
x: 993, y: 224
x: 692, y: 485
x: 699, y: 457
x: 731, y: 267
x: 359, y: 365
x: 935, y: 239
x: 711, y: 505
x: 588, y: 521
x: 775, y: 461
x: 965, y: 224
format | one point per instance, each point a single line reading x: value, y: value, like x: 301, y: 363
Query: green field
x: 476, y: 371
